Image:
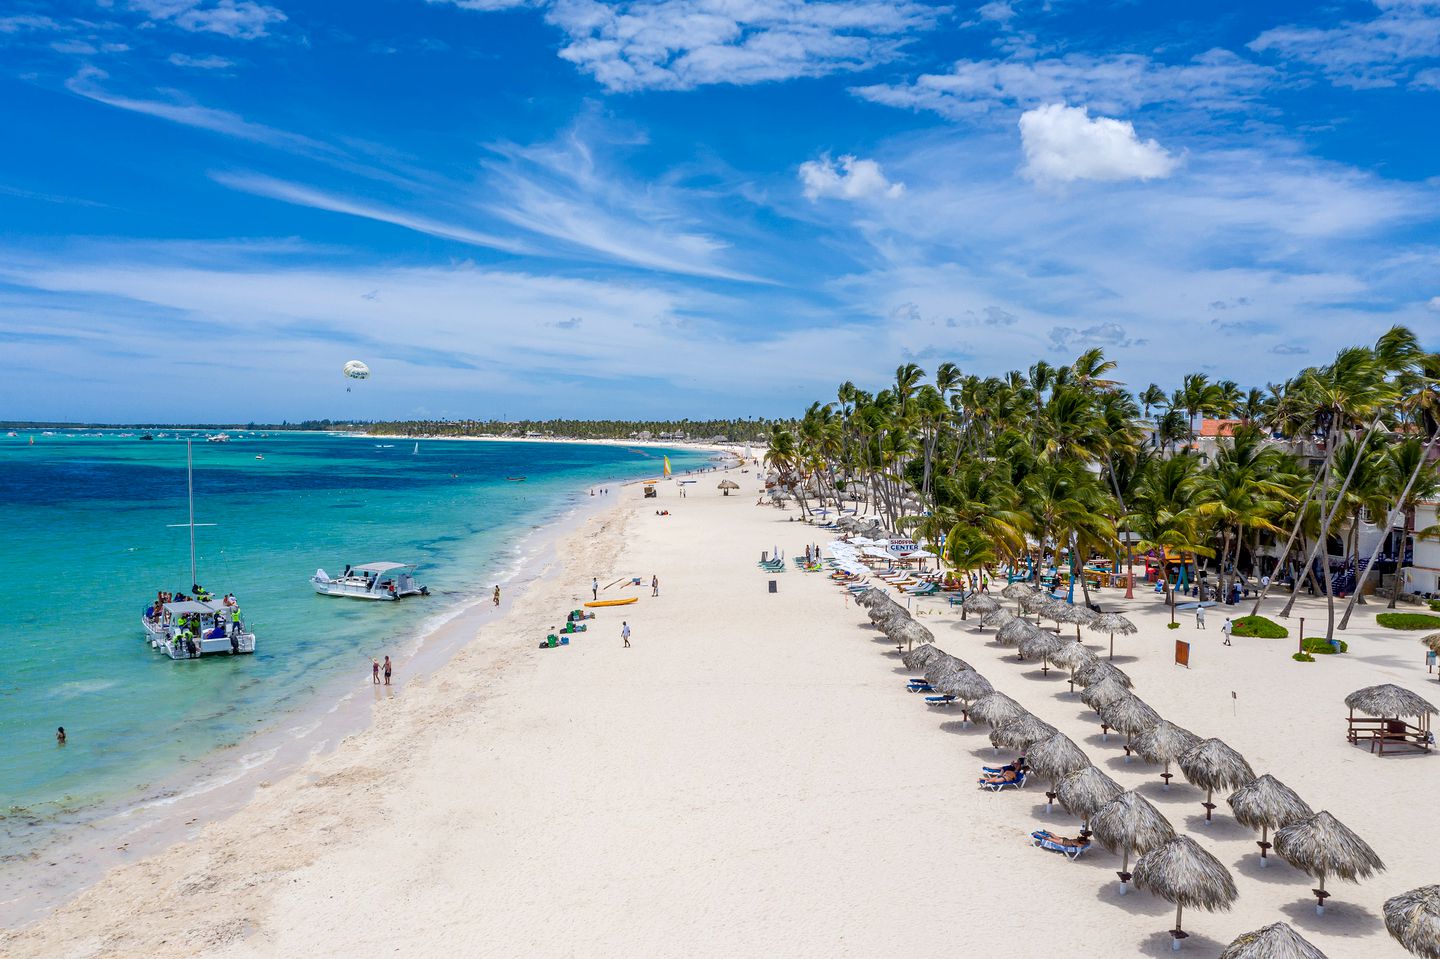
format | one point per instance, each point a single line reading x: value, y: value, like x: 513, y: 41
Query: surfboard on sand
x: 614, y: 602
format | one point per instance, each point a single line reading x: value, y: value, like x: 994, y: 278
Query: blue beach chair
x: 1064, y: 845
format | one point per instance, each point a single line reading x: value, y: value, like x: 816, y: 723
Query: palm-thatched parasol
x: 1113, y: 623
x: 1018, y: 592
x: 1393, y: 705
x: 1180, y: 871
x: 1050, y: 608
x: 1266, y: 803
x: 1164, y: 743
x: 981, y: 603
x: 1323, y: 846
x: 1212, y: 765
x: 1094, y: 672
x: 1413, y: 918
x: 966, y: 686
x: 882, y: 616
x: 1013, y: 631
x: 995, y: 708
x: 1102, y: 694
x: 1020, y: 733
x: 1072, y: 655
x: 727, y: 485
x: 871, y: 596
x: 1275, y: 941
x: 1039, y: 645
x: 1431, y: 642
x: 905, y: 632
x: 942, y: 667
x: 1130, y: 824
x: 1052, y: 759
x: 920, y: 656
x: 1033, y: 600
x: 996, y: 617
x: 1084, y: 791
x: 1076, y: 615
x: 1131, y: 715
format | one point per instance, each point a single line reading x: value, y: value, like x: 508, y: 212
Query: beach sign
x: 1182, y: 653
x: 901, y: 546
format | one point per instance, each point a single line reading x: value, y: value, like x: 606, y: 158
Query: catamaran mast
x: 190, y: 492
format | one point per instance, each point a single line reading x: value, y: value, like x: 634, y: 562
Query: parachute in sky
x: 356, y: 370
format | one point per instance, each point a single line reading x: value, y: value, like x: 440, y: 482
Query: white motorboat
x: 218, y: 438
x: 383, y: 581
x: 185, y: 628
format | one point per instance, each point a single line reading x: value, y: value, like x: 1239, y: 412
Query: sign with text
x: 1182, y: 653
x: 902, y: 546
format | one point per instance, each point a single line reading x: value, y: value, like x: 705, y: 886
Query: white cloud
x: 211, y: 62
x: 681, y: 44
x: 1363, y: 54
x: 1109, y: 336
x: 1216, y: 80
x: 21, y: 22
x: 239, y: 19
x: 849, y: 179
x: 1428, y: 79
x: 1063, y: 144
x: 997, y: 11
x: 1434, y: 304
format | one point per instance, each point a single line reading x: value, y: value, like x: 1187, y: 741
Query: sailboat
x: 667, y: 467
x: 189, y: 628
x: 416, y: 449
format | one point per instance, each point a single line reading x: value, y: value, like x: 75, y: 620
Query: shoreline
x: 204, y: 792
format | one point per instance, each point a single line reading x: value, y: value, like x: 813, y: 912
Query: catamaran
x: 185, y: 627
x: 370, y: 581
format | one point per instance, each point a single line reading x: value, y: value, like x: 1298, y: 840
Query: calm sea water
x: 84, y: 544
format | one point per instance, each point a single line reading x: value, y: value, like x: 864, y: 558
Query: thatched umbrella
x: 942, y: 667
x: 1323, y: 846
x: 727, y: 486
x: 1020, y: 733
x: 905, y: 632
x: 1033, y: 600
x: 1102, y: 694
x: 1164, y: 743
x: 1431, y: 642
x: 1072, y: 655
x: 1212, y: 765
x: 920, y: 656
x: 1013, y: 631
x: 1094, y: 672
x: 1018, y: 592
x: 1275, y: 941
x: 1180, y: 871
x: 995, y: 708
x: 1050, y: 608
x: 1413, y: 918
x: 1266, y: 803
x: 1130, y: 824
x: 996, y: 617
x: 1084, y: 791
x: 1052, y: 759
x: 1077, y: 616
x: 1131, y: 715
x: 871, y: 596
x: 981, y: 603
x: 883, y: 616
x: 1113, y: 623
x: 966, y: 686
x: 1041, y: 645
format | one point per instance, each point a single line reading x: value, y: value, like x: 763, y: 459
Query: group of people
x: 376, y: 669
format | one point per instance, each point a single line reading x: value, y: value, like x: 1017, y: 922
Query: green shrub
x: 1408, y: 621
x: 1435, y: 605
x: 1318, y: 644
x: 1259, y: 627
x: 1172, y: 625
x: 1302, y: 657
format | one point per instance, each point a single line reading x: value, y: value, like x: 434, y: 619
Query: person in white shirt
x: 1226, y: 630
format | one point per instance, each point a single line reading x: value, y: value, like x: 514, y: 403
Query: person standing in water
x: 625, y: 634
x: 387, y: 670
x: 497, y: 595
x: 375, y: 671
x: 60, y: 736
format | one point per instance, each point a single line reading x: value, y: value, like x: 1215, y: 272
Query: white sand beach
x: 752, y: 778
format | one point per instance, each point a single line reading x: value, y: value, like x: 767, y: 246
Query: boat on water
x: 218, y: 438
x: 379, y: 581
x: 146, y: 436
x: 516, y: 479
x: 190, y: 627
x: 416, y: 449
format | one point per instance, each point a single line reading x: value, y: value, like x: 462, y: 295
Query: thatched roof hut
x: 1180, y: 871
x: 1266, y: 803
x: 1431, y: 642
x: 1094, y: 672
x: 1103, y: 693
x: 1129, y: 714
x: 995, y: 708
x: 1212, y: 765
x: 1389, y: 700
x: 1163, y: 743
x: 1323, y: 846
x: 1055, y: 757
x: 1275, y: 941
x: 1086, y: 790
x: 1020, y: 733
x: 1413, y: 918
x: 1113, y: 623
x: 1130, y: 824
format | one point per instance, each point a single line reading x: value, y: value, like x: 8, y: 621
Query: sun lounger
x: 920, y: 686
x: 999, y: 785
x: 945, y: 700
x: 1062, y: 844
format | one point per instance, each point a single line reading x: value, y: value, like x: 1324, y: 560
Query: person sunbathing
x: 1008, y: 776
x: 1049, y: 836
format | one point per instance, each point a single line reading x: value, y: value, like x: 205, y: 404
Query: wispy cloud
x: 1363, y: 54
x: 211, y: 62
x: 238, y: 19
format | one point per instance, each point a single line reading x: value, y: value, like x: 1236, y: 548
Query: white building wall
x: 1424, y: 576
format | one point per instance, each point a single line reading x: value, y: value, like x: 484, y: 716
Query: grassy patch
x: 1172, y: 625
x: 1302, y: 657
x: 1435, y: 605
x: 1408, y: 621
x: 1259, y: 627
x: 1321, y: 646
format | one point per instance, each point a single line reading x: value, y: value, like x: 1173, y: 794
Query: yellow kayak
x: 614, y: 602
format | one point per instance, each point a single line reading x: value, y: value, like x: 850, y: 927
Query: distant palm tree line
x: 734, y: 430
x: 1003, y: 468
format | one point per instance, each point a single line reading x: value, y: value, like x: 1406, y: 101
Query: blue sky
x: 694, y: 207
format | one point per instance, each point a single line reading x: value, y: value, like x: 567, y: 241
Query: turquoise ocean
x: 86, y: 542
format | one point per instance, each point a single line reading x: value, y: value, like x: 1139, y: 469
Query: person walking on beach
x: 1226, y: 630
x: 375, y: 671
x: 654, y: 585
x: 497, y: 595
x: 594, y: 588
x: 387, y: 670
x: 1200, y: 616
x: 625, y: 634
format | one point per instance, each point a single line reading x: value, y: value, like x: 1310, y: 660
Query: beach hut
x: 1052, y: 759
x: 726, y: 485
x: 1072, y: 655
x: 1275, y: 941
x: 1084, y: 791
x: 1323, y: 846
x: 1020, y: 733
x: 995, y: 708
x: 1181, y: 872
x: 1388, y: 708
x: 1413, y: 919
x: 1130, y: 825
x: 1266, y: 803
x: 1113, y: 623
x: 1164, y: 743
x: 1131, y: 715
x: 1093, y: 672
x: 1212, y: 765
